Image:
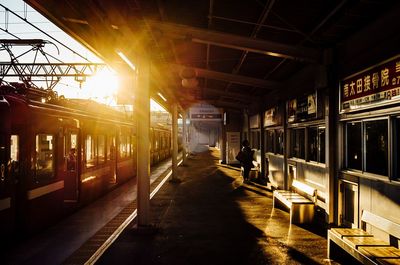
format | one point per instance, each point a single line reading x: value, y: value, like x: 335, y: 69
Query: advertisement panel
x: 232, y: 147
x: 302, y: 108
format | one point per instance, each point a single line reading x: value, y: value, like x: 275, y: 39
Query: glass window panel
x: 353, y: 144
x: 102, y: 149
x: 397, y: 150
x: 110, y: 148
x: 74, y: 140
x: 313, y: 144
x: 128, y: 146
x: 44, y: 167
x: 376, y: 147
x: 14, y: 148
x: 297, y: 143
x: 90, y: 151
x: 123, y: 146
x: 270, y: 140
x: 321, y: 144
x: 279, y: 142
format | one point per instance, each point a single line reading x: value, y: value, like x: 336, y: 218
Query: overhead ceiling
x: 241, y: 51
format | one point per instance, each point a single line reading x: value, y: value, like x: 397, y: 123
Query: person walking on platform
x: 245, y: 157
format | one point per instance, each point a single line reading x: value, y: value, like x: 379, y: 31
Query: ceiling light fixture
x: 126, y: 60
x: 161, y: 96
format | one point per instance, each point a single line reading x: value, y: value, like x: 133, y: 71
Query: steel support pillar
x: 223, y: 144
x: 142, y: 109
x: 174, y: 177
x: 184, y: 136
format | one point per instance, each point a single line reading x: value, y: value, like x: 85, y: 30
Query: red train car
x: 60, y: 155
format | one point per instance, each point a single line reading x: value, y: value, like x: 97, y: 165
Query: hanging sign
x: 202, y: 112
x: 372, y: 87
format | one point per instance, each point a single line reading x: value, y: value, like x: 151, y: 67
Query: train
x: 57, y: 155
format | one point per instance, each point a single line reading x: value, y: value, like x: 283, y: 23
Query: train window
x: 110, y: 148
x: 396, y: 150
x: 376, y: 147
x: 354, y: 145
x: 123, y: 147
x: 156, y: 140
x: 14, y: 148
x: 297, y: 138
x: 269, y: 137
x: 90, y: 145
x: 279, y: 142
x: 128, y: 146
x: 44, y: 166
x: 102, y: 149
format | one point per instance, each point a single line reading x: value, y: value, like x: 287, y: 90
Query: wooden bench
x: 364, y: 246
x: 300, y: 202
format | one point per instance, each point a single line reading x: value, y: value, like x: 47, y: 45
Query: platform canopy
x: 232, y: 54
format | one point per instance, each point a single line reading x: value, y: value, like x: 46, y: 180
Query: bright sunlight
x: 102, y: 87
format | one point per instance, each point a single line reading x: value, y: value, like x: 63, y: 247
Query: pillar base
x: 145, y: 229
x: 175, y: 180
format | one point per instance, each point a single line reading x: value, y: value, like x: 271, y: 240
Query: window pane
x: 122, y: 146
x: 90, y: 151
x: 353, y: 145
x: 321, y: 144
x: 128, y: 146
x: 376, y: 145
x: 102, y: 148
x: 279, y: 141
x: 14, y: 148
x: 255, y: 136
x: 270, y: 140
x: 297, y: 143
x: 110, y: 148
x: 313, y: 144
x: 44, y: 167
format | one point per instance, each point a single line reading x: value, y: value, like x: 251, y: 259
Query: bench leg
x: 301, y: 213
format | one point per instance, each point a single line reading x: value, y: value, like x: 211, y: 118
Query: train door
x: 112, y: 156
x: 348, y: 204
x: 71, y: 166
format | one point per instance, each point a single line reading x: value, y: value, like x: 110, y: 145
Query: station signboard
x: 204, y: 112
x: 375, y: 86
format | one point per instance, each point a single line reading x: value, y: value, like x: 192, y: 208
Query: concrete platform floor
x: 211, y: 217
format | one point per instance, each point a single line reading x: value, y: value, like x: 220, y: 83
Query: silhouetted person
x: 245, y: 157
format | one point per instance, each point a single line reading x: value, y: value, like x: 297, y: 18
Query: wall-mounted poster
x: 292, y: 106
x: 272, y: 117
x: 254, y: 122
x: 312, y: 104
x: 232, y: 147
x: 302, y: 108
x: 375, y: 86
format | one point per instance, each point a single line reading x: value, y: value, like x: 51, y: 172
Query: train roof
x: 34, y: 98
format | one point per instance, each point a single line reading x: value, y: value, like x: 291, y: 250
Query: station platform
x: 210, y: 217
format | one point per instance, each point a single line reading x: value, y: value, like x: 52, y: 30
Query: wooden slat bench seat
x: 300, y: 202
x: 388, y: 261
x: 380, y: 252
x: 364, y: 246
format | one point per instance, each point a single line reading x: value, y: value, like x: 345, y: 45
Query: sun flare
x: 102, y: 87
